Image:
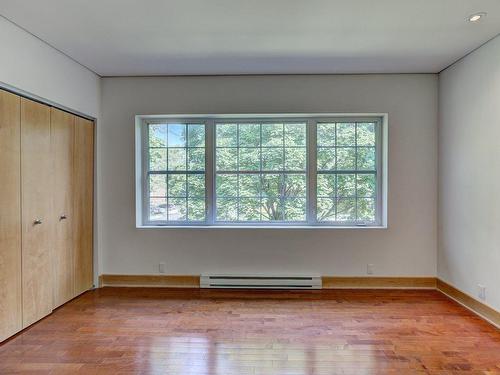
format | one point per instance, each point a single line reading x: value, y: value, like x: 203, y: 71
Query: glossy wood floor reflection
x: 161, y: 331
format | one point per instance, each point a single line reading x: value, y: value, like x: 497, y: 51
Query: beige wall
x: 407, y: 247
x: 469, y: 171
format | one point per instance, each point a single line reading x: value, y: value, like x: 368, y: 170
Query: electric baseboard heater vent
x: 260, y: 282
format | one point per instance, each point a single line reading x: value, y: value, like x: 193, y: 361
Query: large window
x: 274, y: 171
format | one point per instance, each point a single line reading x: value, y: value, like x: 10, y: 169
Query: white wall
x: 469, y: 173
x: 30, y: 65
x: 407, y: 248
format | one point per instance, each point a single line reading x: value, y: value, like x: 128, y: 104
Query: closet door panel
x: 10, y: 215
x: 83, y: 203
x: 36, y: 193
x: 61, y: 133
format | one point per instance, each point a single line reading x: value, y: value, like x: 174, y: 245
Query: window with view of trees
x: 260, y: 172
x: 346, y: 172
x: 176, y: 173
x: 251, y: 171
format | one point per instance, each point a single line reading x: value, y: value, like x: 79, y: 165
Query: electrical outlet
x: 482, y: 291
x: 369, y: 269
x: 162, y: 268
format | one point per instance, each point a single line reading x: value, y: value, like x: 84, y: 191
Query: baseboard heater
x: 260, y: 282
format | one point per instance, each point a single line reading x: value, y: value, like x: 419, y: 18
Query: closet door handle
x: 63, y: 217
x: 37, y: 222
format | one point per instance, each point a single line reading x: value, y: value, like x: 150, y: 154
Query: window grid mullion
x: 356, y: 174
x: 187, y: 168
x: 168, y: 192
x: 311, y: 170
x: 336, y: 188
x: 283, y: 200
x: 238, y: 174
x: 261, y: 200
x: 210, y: 170
x: 145, y: 176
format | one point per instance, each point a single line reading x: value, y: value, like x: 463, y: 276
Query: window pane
x: 346, y: 209
x: 326, y: 209
x: 226, y: 135
x: 273, y: 209
x: 326, y: 185
x: 176, y: 159
x: 196, y: 185
x: 249, y: 209
x: 326, y: 159
x: 196, y: 159
x: 366, y: 185
x: 196, y: 135
x: 272, y: 135
x: 295, y: 186
x: 196, y: 209
x: 157, y: 159
x: 295, y: 209
x: 177, y: 185
x: 157, y: 185
x: 366, y: 134
x: 158, y: 209
x: 249, y: 185
x: 249, y: 135
x: 176, y: 135
x: 227, y: 209
x: 283, y: 197
x: 272, y: 159
x: 325, y: 134
x: 227, y: 185
x: 227, y: 159
x: 249, y: 159
x: 295, y: 159
x: 295, y: 135
x: 346, y: 134
x: 346, y: 158
x: 366, y: 158
x: 346, y: 185
x: 158, y: 135
x: 177, y: 209
x: 271, y: 184
x: 366, y: 209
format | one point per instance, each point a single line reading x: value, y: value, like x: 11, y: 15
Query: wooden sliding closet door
x: 10, y: 215
x: 36, y: 193
x: 61, y: 134
x: 83, y: 203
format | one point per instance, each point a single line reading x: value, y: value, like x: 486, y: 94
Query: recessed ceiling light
x: 476, y: 16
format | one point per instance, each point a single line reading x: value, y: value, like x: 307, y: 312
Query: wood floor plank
x: 173, y: 331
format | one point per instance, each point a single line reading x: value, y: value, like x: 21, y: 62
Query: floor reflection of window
x: 180, y: 356
x: 262, y: 358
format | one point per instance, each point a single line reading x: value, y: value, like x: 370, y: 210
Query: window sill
x: 267, y: 227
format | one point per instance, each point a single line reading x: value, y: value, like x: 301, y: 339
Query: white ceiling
x: 174, y: 37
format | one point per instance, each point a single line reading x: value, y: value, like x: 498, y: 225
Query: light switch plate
x: 369, y: 269
x: 481, y: 291
x: 162, y: 268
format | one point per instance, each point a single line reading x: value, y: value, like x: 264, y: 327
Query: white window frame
x: 141, y: 148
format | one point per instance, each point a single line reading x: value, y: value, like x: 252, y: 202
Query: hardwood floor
x: 167, y: 331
